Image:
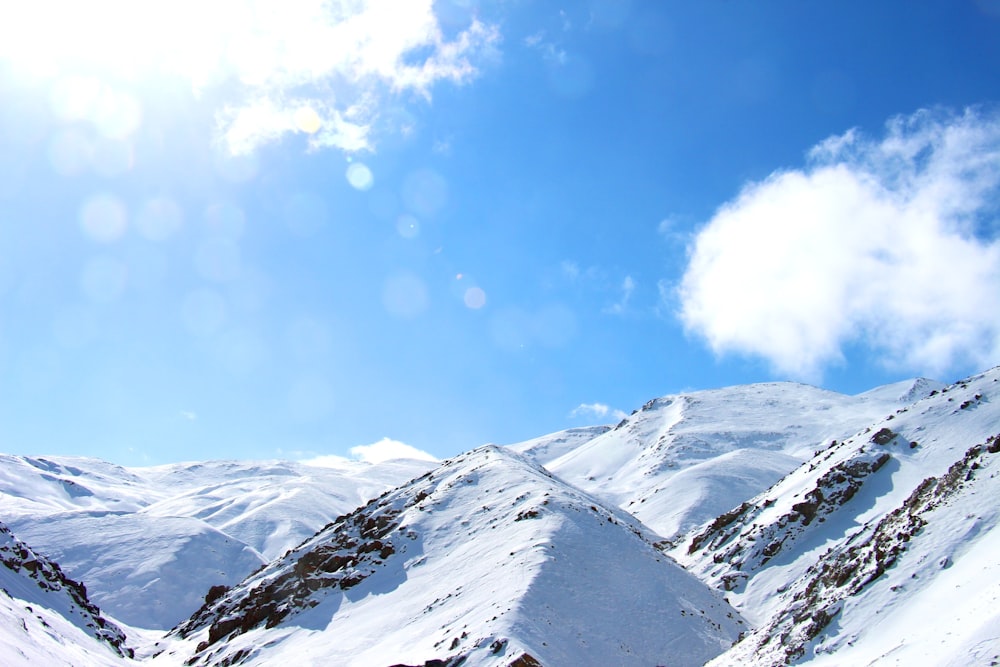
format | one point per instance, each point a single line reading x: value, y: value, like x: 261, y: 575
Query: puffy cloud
x: 890, y: 243
x: 387, y: 449
x: 596, y: 411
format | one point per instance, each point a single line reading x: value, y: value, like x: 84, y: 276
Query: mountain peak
x: 487, y: 558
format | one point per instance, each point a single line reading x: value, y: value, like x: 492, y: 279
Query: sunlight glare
x: 113, y: 113
x: 307, y: 120
x: 316, y: 67
x: 123, y: 38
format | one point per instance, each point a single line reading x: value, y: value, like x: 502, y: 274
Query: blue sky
x: 288, y: 230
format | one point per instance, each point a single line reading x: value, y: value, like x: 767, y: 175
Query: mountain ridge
x: 813, y: 527
x: 520, y: 535
x: 29, y: 580
x: 854, y: 519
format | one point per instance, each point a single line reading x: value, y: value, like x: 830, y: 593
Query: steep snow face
x: 850, y: 558
x: 487, y: 559
x: 150, y: 542
x: 46, y: 618
x: 905, y: 392
x: 683, y: 459
x: 151, y: 572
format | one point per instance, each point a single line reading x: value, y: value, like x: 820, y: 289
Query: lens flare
x: 475, y: 298
x: 360, y: 176
x: 408, y: 226
x: 103, y: 218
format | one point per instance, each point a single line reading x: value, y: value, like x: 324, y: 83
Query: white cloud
x: 386, y: 450
x: 328, y: 461
x: 627, y: 287
x: 341, y: 60
x: 534, y: 39
x: 596, y: 411
x: 890, y: 243
x: 324, y: 68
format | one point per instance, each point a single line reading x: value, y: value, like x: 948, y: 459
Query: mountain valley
x: 762, y: 525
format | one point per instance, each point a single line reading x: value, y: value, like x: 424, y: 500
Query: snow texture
x: 149, y: 542
x: 487, y: 559
x: 45, y: 617
x: 759, y: 525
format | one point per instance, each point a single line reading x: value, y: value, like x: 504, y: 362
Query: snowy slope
x: 838, y: 528
x: 149, y: 542
x: 46, y: 618
x: 487, y: 559
x: 850, y: 558
x: 683, y: 459
x: 150, y: 572
x: 549, y: 447
x: 273, y: 505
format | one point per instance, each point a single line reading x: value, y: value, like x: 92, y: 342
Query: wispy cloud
x: 327, y: 69
x: 551, y: 52
x: 625, y: 295
x: 891, y: 243
x: 573, y: 273
x: 596, y: 411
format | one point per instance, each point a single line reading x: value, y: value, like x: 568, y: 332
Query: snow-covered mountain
x: 150, y: 541
x: 814, y: 528
x: 683, y: 459
x: 488, y: 560
x: 853, y: 557
x: 45, y: 617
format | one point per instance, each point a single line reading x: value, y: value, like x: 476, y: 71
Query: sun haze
x: 248, y: 228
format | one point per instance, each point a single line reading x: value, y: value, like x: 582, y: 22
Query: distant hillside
x: 758, y: 525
